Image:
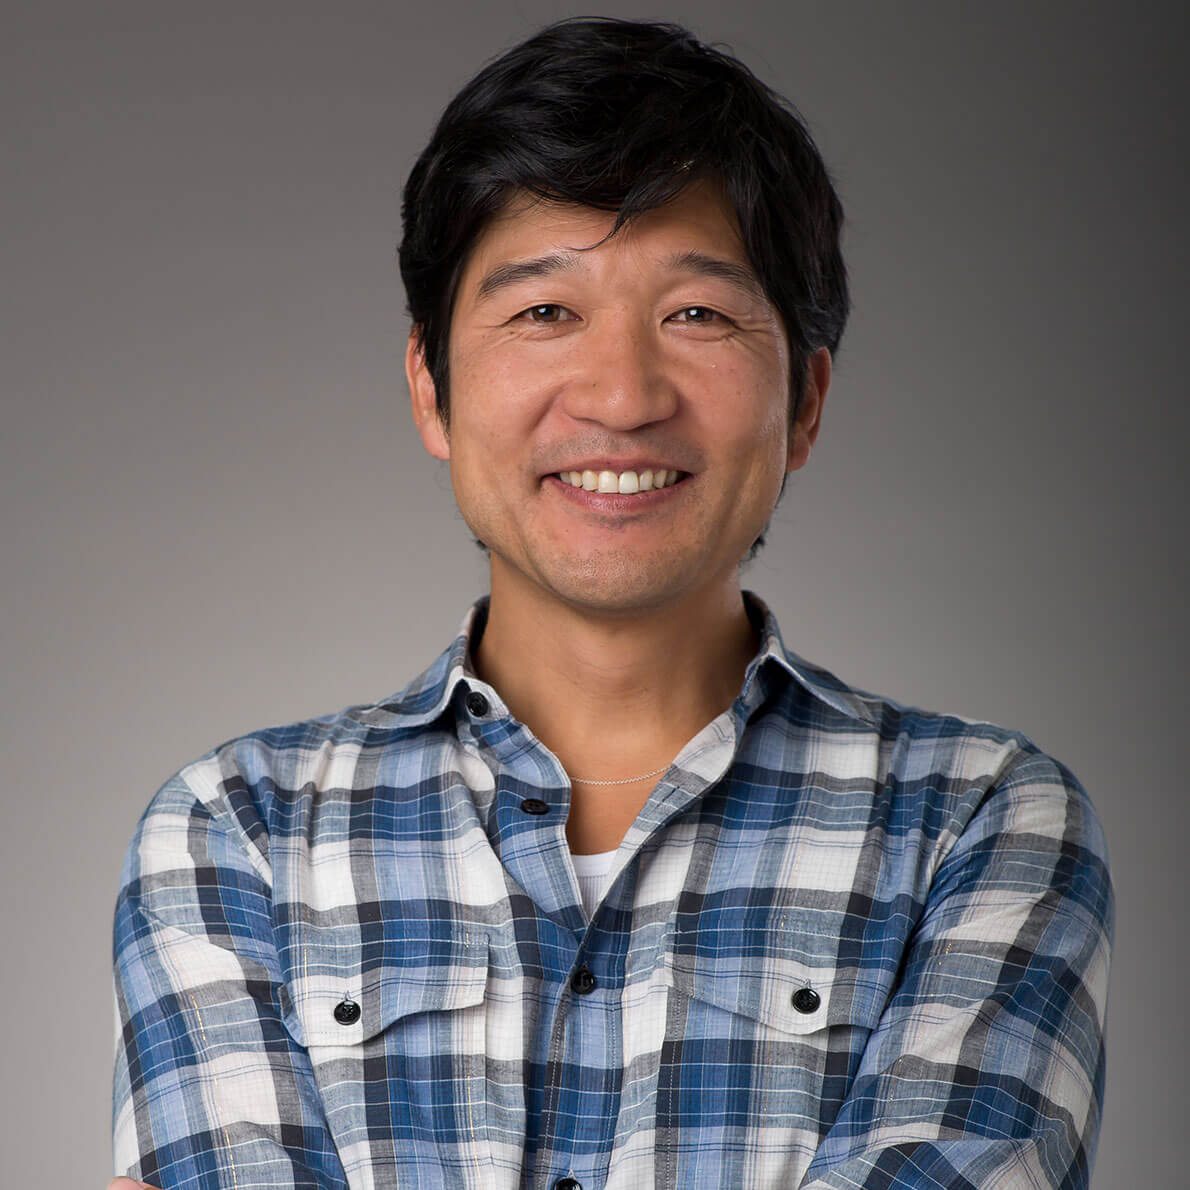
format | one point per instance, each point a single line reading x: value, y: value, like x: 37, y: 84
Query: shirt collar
x: 428, y: 695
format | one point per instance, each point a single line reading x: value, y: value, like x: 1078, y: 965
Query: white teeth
x: 626, y: 483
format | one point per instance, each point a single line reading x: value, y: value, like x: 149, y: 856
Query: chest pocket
x: 782, y: 995
x: 759, y: 1045
x: 397, y: 1049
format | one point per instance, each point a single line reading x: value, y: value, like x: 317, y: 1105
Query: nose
x: 621, y: 379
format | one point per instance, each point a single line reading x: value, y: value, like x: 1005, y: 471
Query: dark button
x: 477, y: 704
x: 534, y: 805
x: 583, y: 981
x: 806, y: 1000
x: 347, y: 1012
x: 568, y: 1184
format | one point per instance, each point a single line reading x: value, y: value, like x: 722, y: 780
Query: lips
x: 618, y: 503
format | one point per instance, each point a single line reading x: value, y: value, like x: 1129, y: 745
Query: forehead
x: 699, y: 218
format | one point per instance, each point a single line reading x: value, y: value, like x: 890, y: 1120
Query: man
x: 619, y: 892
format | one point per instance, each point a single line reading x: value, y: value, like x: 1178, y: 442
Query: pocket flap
x: 422, y: 975
x: 782, y: 994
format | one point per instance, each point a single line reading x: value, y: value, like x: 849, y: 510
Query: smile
x: 624, y: 483
x: 618, y: 502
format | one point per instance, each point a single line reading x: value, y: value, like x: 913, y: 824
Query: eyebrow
x: 700, y: 264
x: 703, y: 265
x: 504, y: 275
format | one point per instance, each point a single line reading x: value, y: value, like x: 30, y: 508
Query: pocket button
x: 806, y: 1000
x: 347, y: 1012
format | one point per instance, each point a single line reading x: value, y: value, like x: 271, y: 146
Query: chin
x: 612, y: 589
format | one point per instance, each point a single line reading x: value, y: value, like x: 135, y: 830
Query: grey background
x: 216, y: 514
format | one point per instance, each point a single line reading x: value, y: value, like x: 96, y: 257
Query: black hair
x: 621, y: 116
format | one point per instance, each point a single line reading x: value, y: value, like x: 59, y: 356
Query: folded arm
x: 210, y: 1089
x: 986, y: 1070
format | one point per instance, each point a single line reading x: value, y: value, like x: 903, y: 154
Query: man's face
x: 657, y: 350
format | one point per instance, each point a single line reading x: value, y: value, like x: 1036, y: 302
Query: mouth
x: 622, y: 483
x: 628, y: 496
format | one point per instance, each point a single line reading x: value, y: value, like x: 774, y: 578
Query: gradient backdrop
x: 216, y: 515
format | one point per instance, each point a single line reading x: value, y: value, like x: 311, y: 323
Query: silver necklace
x: 622, y: 781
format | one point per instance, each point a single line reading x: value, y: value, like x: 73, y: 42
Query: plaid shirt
x: 846, y: 943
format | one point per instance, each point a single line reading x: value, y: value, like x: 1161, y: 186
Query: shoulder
x: 940, y: 774
x: 993, y: 795
x: 233, y: 803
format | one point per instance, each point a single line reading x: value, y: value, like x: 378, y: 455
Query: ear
x: 424, y: 398
x: 804, y: 432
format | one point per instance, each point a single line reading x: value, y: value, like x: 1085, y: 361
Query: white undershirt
x: 592, y: 872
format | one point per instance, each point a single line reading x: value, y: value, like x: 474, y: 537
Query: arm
x: 210, y: 1089
x: 986, y: 1070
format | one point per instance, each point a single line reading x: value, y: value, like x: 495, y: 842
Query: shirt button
x: 534, y: 805
x: 583, y: 981
x: 568, y: 1184
x: 347, y: 1012
x: 477, y: 704
x: 806, y: 1000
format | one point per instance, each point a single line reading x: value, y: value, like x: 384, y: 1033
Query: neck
x: 614, y: 696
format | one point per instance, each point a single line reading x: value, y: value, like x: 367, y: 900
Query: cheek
x: 496, y: 395
x: 750, y: 416
x: 758, y: 437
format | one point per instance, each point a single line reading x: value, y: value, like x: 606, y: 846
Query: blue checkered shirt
x: 846, y: 943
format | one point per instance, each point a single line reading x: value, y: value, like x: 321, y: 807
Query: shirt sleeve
x: 210, y: 1090
x: 987, y: 1068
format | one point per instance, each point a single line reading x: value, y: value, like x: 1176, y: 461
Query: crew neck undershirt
x: 592, y: 872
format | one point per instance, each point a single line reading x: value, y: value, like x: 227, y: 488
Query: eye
x: 699, y: 316
x: 545, y: 314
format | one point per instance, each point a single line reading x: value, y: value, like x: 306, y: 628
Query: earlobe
x: 424, y: 399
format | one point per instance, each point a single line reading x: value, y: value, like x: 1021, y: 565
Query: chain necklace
x: 622, y: 781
